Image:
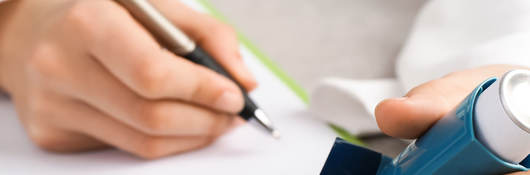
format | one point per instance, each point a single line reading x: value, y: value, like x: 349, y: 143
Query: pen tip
x: 276, y: 134
x: 262, y: 120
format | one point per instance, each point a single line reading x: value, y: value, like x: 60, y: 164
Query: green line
x: 273, y: 67
x: 346, y: 135
x: 276, y: 70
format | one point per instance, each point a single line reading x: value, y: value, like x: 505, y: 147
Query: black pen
x: 174, y: 40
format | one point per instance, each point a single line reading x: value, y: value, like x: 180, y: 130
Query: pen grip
x: 201, y: 57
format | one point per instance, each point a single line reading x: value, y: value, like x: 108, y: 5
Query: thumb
x: 410, y: 116
x: 520, y: 173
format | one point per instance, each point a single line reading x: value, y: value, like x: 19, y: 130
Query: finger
x: 62, y: 140
x: 217, y: 38
x: 407, y: 118
x: 412, y: 115
x: 85, y: 79
x: 520, y: 173
x: 82, y: 118
x: 137, y: 60
x: 40, y: 119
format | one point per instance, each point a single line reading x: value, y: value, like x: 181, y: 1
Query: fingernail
x: 229, y: 101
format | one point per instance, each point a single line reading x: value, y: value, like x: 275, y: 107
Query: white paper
x: 350, y: 104
x: 302, y: 149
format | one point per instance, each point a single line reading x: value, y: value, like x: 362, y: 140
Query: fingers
x: 81, y: 118
x: 410, y: 116
x: 67, y: 117
x: 520, y: 173
x: 88, y: 81
x: 215, y: 37
x: 137, y: 60
x: 61, y: 140
x: 39, y: 115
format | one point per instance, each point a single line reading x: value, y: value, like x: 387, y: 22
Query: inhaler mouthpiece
x: 502, y: 116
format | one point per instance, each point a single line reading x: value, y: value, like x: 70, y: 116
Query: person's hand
x: 410, y: 116
x: 85, y: 75
x: 520, y: 173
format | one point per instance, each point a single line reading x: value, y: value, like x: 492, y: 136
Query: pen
x: 174, y: 40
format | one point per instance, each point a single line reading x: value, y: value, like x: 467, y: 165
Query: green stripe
x: 276, y: 70
x: 346, y: 135
x: 273, y: 67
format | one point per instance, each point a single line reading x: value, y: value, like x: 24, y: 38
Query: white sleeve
x: 451, y: 35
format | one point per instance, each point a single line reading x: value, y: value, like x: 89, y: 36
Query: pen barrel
x: 159, y: 26
x: 201, y: 57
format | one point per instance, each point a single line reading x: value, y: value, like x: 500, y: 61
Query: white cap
x: 502, y: 116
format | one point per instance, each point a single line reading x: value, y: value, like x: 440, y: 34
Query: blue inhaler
x: 487, y: 133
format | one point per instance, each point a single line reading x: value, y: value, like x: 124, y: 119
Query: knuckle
x: 151, y: 148
x: 43, y: 138
x: 153, y: 120
x: 207, y: 126
x: 150, y: 79
x: 79, y: 14
x: 220, y: 123
x: 198, y: 86
x: 84, y: 16
x: 42, y: 62
x: 207, y: 87
x: 38, y: 107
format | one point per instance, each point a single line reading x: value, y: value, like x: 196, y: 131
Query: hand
x: 411, y: 116
x: 520, y: 173
x: 85, y: 75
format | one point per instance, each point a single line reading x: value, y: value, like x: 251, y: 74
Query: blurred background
x: 312, y: 39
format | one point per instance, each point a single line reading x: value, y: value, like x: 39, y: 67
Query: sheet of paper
x: 350, y: 104
x: 302, y: 149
